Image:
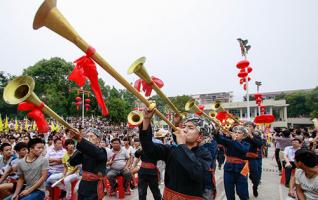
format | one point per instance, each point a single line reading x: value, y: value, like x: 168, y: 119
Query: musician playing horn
x: 236, y: 167
x: 93, y: 160
x: 186, y: 163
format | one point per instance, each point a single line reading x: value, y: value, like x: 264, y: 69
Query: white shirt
x: 290, y: 153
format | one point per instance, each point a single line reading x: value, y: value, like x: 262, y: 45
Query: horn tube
x: 49, y: 16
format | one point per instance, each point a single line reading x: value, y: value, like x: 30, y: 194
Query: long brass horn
x: 139, y: 69
x: 21, y: 89
x: 192, y: 107
x: 49, y: 16
x: 216, y: 106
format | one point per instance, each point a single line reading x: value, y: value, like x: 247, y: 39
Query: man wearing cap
x: 186, y: 163
x: 236, y: 167
x: 93, y: 160
x: 252, y: 155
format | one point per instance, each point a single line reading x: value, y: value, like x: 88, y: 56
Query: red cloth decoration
x: 201, y: 107
x: 264, y: 119
x: 78, y: 99
x: 86, y: 69
x: 87, y: 100
x: 243, y: 64
x: 36, y: 114
x: 147, y: 88
x: 221, y: 116
x: 249, y: 69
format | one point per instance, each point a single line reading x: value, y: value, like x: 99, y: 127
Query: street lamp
x: 244, y: 51
x: 258, y: 84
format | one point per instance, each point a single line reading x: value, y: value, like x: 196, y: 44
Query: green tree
x: 51, y: 84
x: 301, y: 103
x: 6, y: 109
x: 118, y: 110
x: 313, y: 103
x: 180, y: 101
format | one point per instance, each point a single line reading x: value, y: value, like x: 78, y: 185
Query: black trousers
x: 288, y: 171
x: 145, y: 180
x: 279, y: 163
x: 220, y: 158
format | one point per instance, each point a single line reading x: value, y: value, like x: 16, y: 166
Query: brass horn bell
x: 135, y: 118
x: 191, y: 106
x: 217, y: 106
x: 213, y: 114
x: 138, y: 68
x: 21, y: 89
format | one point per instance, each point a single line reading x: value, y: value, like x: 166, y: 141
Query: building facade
x: 209, y: 98
x: 278, y: 108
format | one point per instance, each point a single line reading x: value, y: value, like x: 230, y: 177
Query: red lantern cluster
x: 264, y: 119
x: 245, y: 70
x: 259, y: 99
x: 78, y: 102
x: 87, y: 101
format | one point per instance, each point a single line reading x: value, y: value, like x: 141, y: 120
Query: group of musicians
x: 190, y: 162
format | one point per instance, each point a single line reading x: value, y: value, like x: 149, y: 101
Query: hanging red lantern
x: 78, y: 99
x: 263, y: 109
x: 249, y: 69
x: 87, y: 100
x: 87, y: 107
x: 242, y: 74
x: 264, y: 119
x: 258, y: 95
x: 242, y: 80
x: 245, y: 87
x: 78, y: 105
x: 243, y: 64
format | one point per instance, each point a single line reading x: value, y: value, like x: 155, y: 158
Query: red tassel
x: 36, y: 114
x: 201, y: 107
x: 86, y: 69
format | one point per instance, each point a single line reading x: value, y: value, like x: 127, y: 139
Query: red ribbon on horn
x: 147, y: 87
x: 85, y: 68
x: 201, y: 107
x: 36, y: 114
